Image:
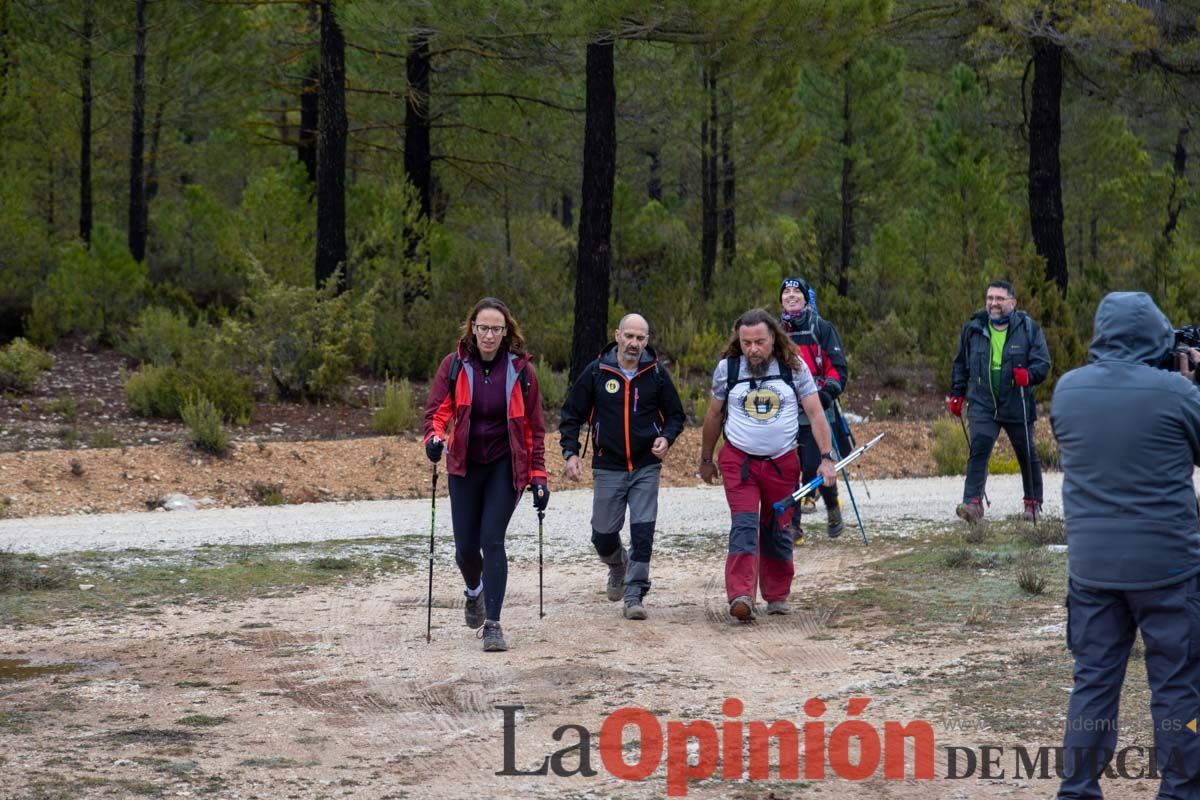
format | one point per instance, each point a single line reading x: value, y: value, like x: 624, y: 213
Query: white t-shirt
x: 762, y: 418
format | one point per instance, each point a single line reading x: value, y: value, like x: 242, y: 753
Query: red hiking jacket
x: 448, y: 417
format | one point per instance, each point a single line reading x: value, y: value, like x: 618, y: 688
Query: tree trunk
x: 728, y: 217
x: 1176, y: 200
x: 654, y: 182
x: 417, y: 152
x: 310, y: 95
x: 155, y: 137
x: 708, y: 133
x: 137, y: 181
x: 331, y: 152
x: 85, y: 125
x: 1045, y: 171
x: 595, y: 216
x: 848, y: 189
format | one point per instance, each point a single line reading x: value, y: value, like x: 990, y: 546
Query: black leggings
x: 810, y: 459
x: 481, y: 504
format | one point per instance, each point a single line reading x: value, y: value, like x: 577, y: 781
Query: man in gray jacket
x: 1129, y: 434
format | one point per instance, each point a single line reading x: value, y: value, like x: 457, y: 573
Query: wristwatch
x: 830, y: 456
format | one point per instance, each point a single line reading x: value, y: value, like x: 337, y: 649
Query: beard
x: 759, y: 369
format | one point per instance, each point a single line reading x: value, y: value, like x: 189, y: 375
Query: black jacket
x: 1129, y: 435
x: 971, y: 373
x: 627, y: 415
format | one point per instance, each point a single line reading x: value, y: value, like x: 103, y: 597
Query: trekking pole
x: 1028, y: 450
x: 853, y: 441
x: 963, y: 422
x: 432, y: 518
x: 850, y: 491
x: 795, y: 497
x: 541, y: 516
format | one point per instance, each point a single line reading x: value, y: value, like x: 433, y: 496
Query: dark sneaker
x: 634, y: 610
x: 834, y: 525
x: 971, y: 510
x: 473, y: 613
x: 493, y: 637
x: 1033, y: 510
x: 742, y: 608
x: 778, y: 607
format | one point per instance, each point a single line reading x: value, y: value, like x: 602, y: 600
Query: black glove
x: 825, y: 397
x: 833, y: 388
x: 433, y: 449
x: 541, y: 495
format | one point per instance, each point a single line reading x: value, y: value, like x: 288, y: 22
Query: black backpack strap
x: 455, y: 368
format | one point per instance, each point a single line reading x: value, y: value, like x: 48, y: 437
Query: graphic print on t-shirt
x: 762, y: 404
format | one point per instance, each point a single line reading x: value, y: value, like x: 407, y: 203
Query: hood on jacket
x: 1130, y: 327
x: 609, y: 356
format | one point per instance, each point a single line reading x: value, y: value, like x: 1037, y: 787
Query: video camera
x: 1186, y: 338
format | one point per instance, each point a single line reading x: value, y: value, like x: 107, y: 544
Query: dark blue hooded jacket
x: 1129, y: 435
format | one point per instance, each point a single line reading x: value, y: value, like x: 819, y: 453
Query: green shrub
x: 158, y: 336
x: 22, y: 365
x: 394, y: 410
x: 94, y: 291
x: 204, y: 425
x: 162, y: 391
x: 1047, y: 450
x: 554, y: 386
x: 308, y: 341
x: 29, y: 572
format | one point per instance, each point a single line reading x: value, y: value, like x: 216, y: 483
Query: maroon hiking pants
x: 760, y: 548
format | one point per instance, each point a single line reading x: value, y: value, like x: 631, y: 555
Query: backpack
x: 733, y: 365
x: 456, y: 366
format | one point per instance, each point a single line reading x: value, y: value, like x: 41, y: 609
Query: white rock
x: 83, y: 587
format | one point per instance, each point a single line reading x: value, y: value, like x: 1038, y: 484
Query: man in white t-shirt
x: 758, y: 389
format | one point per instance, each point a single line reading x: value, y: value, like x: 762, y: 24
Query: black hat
x: 793, y: 282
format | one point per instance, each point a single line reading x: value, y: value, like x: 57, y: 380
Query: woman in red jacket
x: 485, y: 410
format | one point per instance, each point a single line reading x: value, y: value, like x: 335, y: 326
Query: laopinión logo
x: 695, y: 749
x: 740, y: 748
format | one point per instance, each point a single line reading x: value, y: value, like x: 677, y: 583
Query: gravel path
x: 684, y: 513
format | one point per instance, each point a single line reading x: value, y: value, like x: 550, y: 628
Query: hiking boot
x: 970, y: 510
x: 1033, y: 510
x: 833, y: 515
x: 795, y: 531
x: 616, y: 560
x: 634, y: 610
x: 473, y: 612
x: 808, y: 504
x: 493, y: 637
x: 742, y: 608
x: 778, y: 607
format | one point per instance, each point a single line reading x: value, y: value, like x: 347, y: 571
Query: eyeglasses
x: 495, y: 330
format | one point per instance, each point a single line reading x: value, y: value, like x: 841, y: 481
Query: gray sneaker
x: 634, y: 610
x: 742, y: 608
x: 473, y: 612
x: 778, y: 607
x: 493, y: 637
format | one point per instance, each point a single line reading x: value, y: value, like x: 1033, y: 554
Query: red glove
x: 955, y: 404
x: 1020, y: 376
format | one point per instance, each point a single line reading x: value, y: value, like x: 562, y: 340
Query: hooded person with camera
x: 1001, y: 356
x: 1128, y: 431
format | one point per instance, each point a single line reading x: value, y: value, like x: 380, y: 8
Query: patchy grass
x: 201, y: 721
x: 41, y: 589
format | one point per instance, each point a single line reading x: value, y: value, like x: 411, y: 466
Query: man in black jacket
x: 1129, y: 435
x: 635, y: 417
x: 1001, y: 356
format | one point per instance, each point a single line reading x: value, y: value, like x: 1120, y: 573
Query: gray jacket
x: 1129, y: 435
x: 971, y: 372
